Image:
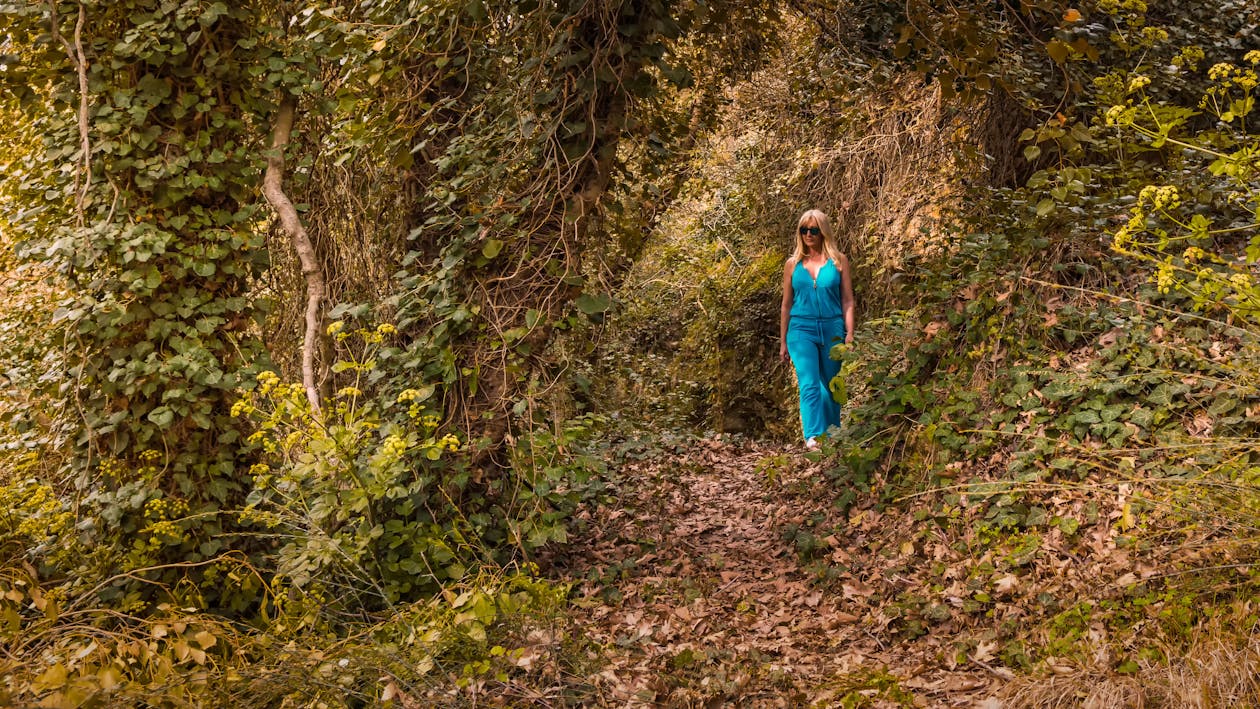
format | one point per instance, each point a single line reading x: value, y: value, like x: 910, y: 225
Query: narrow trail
x: 693, y: 585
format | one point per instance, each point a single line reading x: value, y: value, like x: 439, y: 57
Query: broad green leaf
x: 162, y: 416
x: 1057, y: 50
x: 594, y: 304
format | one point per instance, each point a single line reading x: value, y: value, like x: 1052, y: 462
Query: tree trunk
x: 273, y: 190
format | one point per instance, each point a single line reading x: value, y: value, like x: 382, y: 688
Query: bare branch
x: 83, y: 178
x: 273, y: 190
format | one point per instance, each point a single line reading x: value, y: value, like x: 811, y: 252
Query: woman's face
x: 811, y: 234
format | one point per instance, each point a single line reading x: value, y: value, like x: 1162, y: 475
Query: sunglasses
x: 812, y: 230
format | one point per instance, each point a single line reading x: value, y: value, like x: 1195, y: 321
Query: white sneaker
x: 811, y: 444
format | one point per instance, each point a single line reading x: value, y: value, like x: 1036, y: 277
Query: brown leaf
x: 984, y: 651
x: 1201, y: 426
x: 838, y: 618
x: 856, y: 589
x: 1109, y: 337
x: 1006, y: 584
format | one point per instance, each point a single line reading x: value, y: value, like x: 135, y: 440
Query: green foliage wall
x: 490, y: 133
x: 1094, y: 294
x: 142, y: 198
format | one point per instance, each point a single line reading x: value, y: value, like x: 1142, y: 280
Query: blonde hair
x: 828, y: 237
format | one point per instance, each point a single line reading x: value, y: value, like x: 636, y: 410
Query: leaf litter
x: 691, y: 583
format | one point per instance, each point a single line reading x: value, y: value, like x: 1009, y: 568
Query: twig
x: 1001, y: 672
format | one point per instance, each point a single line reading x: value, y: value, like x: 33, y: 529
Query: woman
x: 817, y: 311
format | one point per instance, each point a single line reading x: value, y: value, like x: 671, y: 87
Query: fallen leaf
x: 856, y: 589
x: 1006, y: 584
x: 984, y: 651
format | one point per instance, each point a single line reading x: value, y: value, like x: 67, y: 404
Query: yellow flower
x: 267, y: 380
x: 1220, y: 71
x: 393, y: 446
x: 1167, y: 197
x: 335, y: 327
x: 1138, y: 83
x: 1165, y: 277
x: 386, y: 329
x: 1252, y: 57
x: 1122, y: 239
x: 1189, y: 57
x: 1119, y: 115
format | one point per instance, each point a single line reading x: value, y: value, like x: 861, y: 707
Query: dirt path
x: 693, y: 585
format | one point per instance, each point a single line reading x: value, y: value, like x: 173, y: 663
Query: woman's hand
x: 783, y: 353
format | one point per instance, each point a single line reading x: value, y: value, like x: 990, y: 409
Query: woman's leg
x: 805, y: 347
x: 833, y: 333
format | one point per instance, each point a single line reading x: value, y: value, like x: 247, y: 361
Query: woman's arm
x: 846, y: 298
x: 785, y: 309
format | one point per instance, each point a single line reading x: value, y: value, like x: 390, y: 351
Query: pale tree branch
x: 82, y: 179
x: 273, y: 190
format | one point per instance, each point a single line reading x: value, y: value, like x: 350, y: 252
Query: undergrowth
x: 1052, y: 397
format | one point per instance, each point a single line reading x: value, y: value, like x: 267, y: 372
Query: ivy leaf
x: 161, y: 416
x: 594, y: 304
x: 492, y: 248
x: 1057, y: 50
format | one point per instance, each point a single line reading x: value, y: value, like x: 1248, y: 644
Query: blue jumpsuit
x: 817, y: 322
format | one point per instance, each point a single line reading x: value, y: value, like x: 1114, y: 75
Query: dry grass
x: 1220, y: 669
